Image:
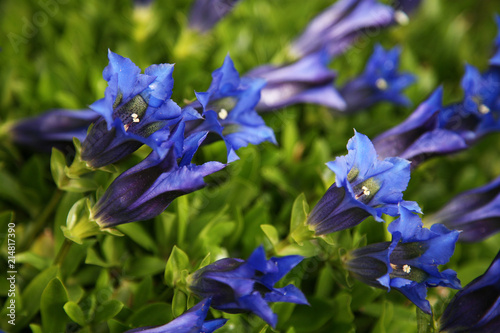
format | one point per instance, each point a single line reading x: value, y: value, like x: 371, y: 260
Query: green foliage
x: 73, y: 276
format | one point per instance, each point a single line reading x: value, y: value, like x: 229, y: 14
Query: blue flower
x: 336, y: 28
x: 363, y: 186
x: 476, y: 213
x: 433, y: 130
x: 229, y: 110
x: 476, y: 308
x: 236, y: 285
x: 419, y: 137
x: 309, y: 80
x: 380, y: 81
x: 146, y: 190
x: 405, y: 6
x: 192, y: 321
x: 408, y: 263
x: 134, y: 107
x: 206, y: 13
x: 54, y: 128
x: 495, y: 60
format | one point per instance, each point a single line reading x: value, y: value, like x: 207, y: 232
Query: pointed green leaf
x: 271, y: 233
x: 179, y: 303
x: 51, y: 307
x: 177, y: 262
x: 107, y: 310
x: 74, y: 311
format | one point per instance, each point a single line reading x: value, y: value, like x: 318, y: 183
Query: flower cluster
x: 137, y: 110
x: 433, y: 129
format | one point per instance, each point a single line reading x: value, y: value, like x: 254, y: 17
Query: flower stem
x: 40, y: 222
x: 63, y: 251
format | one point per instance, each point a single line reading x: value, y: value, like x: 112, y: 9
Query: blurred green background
x: 52, y: 56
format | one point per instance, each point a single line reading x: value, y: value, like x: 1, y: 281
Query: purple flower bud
x: 309, y: 80
x: 54, y: 128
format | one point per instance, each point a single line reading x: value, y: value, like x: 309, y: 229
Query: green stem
x: 63, y: 251
x: 40, y: 222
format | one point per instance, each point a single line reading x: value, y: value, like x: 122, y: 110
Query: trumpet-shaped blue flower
x: 495, y: 60
x: 134, y: 107
x: 340, y: 25
x: 309, y: 80
x: 433, y: 130
x: 192, y: 321
x: 206, y: 13
x: 237, y: 285
x: 476, y: 308
x: 380, y: 81
x: 408, y: 263
x: 476, y: 213
x: 55, y: 128
x: 229, y: 110
x: 146, y: 190
x: 364, y: 186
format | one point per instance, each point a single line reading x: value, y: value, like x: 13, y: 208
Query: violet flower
x: 309, y: 80
x: 192, y: 321
x: 54, y: 128
x: 380, y: 81
x: 409, y: 262
x: 476, y: 308
x: 336, y: 28
x: 205, y: 14
x: 237, y: 285
x: 228, y: 108
x: 134, y: 107
x: 476, y: 213
x: 364, y: 186
x: 145, y: 190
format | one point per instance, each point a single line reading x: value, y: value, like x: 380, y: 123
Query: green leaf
x: 143, y: 266
x: 137, y: 233
x: 143, y: 292
x: 425, y: 324
x: 51, y: 307
x: 385, y: 318
x: 74, y: 311
x: 177, y: 262
x: 32, y: 295
x: 154, y: 314
x: 107, y: 310
x: 36, y: 328
x: 299, y: 230
x: 300, y: 210
x: 179, y: 303
x: 271, y: 233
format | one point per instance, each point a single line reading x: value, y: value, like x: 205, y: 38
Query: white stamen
x: 223, y: 114
x: 135, y: 117
x: 126, y: 127
x: 407, y: 269
x: 366, y: 191
x: 381, y: 84
x: 484, y: 109
x: 401, y: 17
